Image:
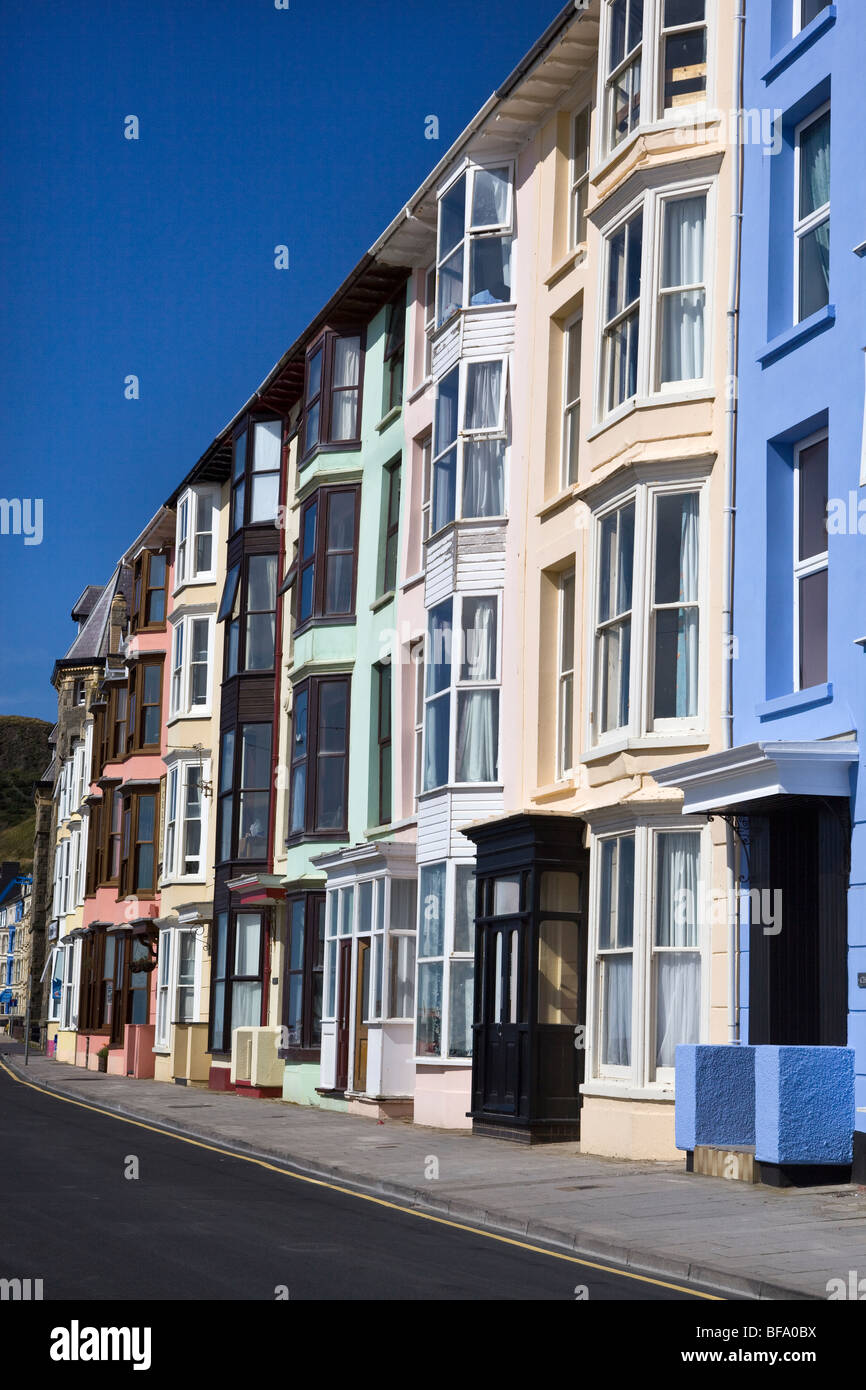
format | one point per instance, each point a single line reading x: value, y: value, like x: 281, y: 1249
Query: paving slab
x: 755, y: 1242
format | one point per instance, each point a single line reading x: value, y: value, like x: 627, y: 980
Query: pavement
x: 742, y: 1240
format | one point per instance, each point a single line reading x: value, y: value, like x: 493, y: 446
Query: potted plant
x: 102, y: 1058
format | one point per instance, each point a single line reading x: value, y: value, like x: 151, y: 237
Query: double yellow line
x: 363, y: 1196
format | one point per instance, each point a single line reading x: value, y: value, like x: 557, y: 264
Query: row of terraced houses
x: 471, y: 735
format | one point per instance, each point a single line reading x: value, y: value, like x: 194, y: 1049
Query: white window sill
x: 200, y: 581
x: 382, y: 601
x: 419, y: 390
x: 462, y: 1062
x: 625, y: 1090
x: 183, y: 716
x: 412, y: 581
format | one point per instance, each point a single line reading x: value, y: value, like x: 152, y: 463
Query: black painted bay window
x: 244, y: 792
x: 319, y: 783
x: 332, y: 393
x: 238, y: 961
x: 256, y: 453
x: 327, y: 568
x: 248, y: 607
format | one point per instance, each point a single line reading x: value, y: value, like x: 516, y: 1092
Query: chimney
x: 117, y: 622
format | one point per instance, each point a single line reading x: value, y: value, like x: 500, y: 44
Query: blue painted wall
x: 807, y: 380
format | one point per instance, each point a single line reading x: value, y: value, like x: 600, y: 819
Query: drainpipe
x: 732, y: 390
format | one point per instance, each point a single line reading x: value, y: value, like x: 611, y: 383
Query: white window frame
x: 470, y: 231
x: 191, y: 505
x: 803, y: 226
x: 177, y: 781
x: 813, y: 564
x: 465, y: 436
x: 652, y: 205
x: 168, y: 984
x: 570, y: 407
x: 448, y: 957
x: 565, y: 675
x: 458, y: 685
x: 429, y: 320
x: 66, y: 849
x: 642, y: 1074
x: 652, y: 114
x: 642, y: 727
x: 180, y: 676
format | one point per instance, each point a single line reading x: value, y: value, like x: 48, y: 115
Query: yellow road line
x: 362, y: 1196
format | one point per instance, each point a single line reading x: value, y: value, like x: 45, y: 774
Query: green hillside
x: 24, y: 756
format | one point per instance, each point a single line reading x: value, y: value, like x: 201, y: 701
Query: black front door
x: 499, y: 1029
x: 798, y: 855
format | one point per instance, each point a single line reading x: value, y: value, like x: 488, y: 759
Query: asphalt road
x: 197, y: 1224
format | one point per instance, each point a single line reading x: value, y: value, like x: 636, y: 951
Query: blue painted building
x: 791, y: 786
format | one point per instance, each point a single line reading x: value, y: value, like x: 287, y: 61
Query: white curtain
x: 683, y: 313
x: 490, y: 198
x: 616, y: 1042
x: 483, y: 394
x: 344, y: 404
x: 483, y: 478
x: 479, y: 639
x: 687, y: 640
x: 477, y: 735
x: 678, y: 971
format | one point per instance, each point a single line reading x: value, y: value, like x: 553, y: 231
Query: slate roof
x: 91, y: 644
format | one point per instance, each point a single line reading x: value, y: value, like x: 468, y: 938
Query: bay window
x: 248, y: 607
x: 237, y: 966
x: 332, y: 393
x: 327, y: 559
x: 812, y: 214
x: 191, y: 667
x: 177, y: 981
x: 196, y: 537
x: 810, y: 561
x: 138, y: 844
x: 623, y: 69
x: 647, y: 641
x: 682, y: 290
x: 185, y: 820
x: 303, y: 970
x: 318, y: 796
x: 648, y: 952
x: 462, y: 693
x: 256, y: 458
x: 655, y: 300
x: 150, y: 575
x: 474, y: 241
x: 446, y: 944
x: 469, y: 442
x: 144, y: 704
x: 654, y: 63
x: 244, y: 793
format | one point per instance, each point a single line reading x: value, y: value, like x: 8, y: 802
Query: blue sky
x: 155, y: 257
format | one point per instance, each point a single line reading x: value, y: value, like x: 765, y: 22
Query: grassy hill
x: 24, y: 756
